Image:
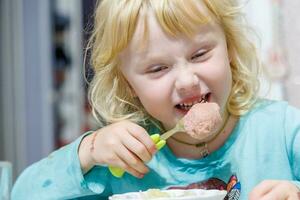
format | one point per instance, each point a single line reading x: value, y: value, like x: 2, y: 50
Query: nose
x: 186, y: 80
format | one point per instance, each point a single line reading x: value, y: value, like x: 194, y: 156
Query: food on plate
x: 157, y: 194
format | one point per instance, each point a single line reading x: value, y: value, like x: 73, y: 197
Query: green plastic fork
x: 159, y: 140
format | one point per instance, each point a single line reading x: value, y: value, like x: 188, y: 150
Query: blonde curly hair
x: 115, y: 22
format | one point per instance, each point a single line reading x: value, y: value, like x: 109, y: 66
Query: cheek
x: 156, y: 98
x: 153, y: 102
x: 224, y: 86
x: 151, y: 93
x: 219, y: 79
x: 224, y: 80
x: 223, y: 69
x: 218, y: 73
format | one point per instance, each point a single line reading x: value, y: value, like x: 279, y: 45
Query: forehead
x: 150, y: 35
x: 175, y: 19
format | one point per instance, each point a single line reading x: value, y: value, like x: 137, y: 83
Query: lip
x: 192, y: 99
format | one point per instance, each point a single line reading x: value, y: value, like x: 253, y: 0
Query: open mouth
x: 187, y: 105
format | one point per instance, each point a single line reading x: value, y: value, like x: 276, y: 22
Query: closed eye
x: 157, y: 68
x: 199, y: 55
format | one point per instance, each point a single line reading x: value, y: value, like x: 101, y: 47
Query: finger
x: 136, y: 147
x: 298, y: 194
x: 279, y: 191
x: 261, y: 189
x: 133, y: 172
x: 133, y: 161
x: 141, y: 134
x: 120, y: 163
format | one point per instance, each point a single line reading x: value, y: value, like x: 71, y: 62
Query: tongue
x: 202, y: 120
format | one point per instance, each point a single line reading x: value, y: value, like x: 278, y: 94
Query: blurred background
x: 43, y: 103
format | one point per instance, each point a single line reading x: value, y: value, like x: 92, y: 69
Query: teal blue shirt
x: 265, y: 144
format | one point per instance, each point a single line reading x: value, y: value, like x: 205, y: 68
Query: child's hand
x: 275, y: 190
x: 123, y: 144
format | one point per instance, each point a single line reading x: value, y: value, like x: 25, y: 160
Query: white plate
x: 156, y: 194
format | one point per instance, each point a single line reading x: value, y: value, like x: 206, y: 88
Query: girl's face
x: 169, y: 74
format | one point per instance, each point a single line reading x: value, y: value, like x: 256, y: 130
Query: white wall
x: 260, y: 15
x: 279, y: 32
x: 25, y: 82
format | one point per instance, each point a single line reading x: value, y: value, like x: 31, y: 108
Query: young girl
x: 154, y: 59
